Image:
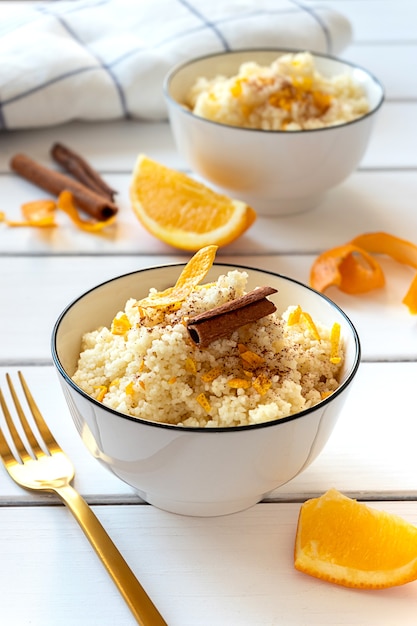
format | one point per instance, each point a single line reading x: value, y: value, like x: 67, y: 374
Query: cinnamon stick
x: 222, y: 320
x: 81, y: 170
x: 96, y: 205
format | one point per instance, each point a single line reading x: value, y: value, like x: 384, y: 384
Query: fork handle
x: 136, y: 597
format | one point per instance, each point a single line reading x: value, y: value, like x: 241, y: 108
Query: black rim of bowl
x: 215, y: 429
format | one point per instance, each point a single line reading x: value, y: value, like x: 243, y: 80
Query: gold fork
x: 43, y: 466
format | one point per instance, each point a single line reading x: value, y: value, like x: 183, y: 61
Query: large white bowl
x: 276, y: 172
x: 197, y: 471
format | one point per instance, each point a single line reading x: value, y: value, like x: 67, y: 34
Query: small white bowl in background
x: 198, y: 471
x: 275, y: 172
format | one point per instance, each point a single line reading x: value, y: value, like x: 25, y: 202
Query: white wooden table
x: 234, y: 570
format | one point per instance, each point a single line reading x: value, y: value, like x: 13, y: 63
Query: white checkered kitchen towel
x: 106, y: 59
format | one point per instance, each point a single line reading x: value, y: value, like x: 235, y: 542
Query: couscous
x: 290, y: 94
x: 146, y: 366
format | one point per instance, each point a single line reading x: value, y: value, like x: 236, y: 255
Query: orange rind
x: 353, y: 269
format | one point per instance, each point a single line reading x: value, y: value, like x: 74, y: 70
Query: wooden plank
x: 367, y: 201
x: 377, y: 20
x: 373, y: 57
x: 236, y: 569
x: 36, y: 290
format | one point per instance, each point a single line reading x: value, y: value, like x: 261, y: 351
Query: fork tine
x: 44, y: 431
x: 6, y: 452
x: 33, y: 442
x: 14, y: 434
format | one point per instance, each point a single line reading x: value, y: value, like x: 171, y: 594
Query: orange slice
x: 346, y: 542
x: 182, y: 211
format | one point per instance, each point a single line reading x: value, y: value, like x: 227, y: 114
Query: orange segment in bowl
x: 346, y: 542
x: 182, y: 211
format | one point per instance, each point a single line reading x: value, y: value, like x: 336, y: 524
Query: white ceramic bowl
x: 197, y: 471
x: 276, y: 172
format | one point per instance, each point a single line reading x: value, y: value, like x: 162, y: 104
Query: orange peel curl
x: 353, y: 269
x: 347, y: 267
x: 39, y: 214
x: 66, y: 204
x: 193, y: 273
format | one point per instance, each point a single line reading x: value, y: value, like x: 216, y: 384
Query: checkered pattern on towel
x: 106, y: 59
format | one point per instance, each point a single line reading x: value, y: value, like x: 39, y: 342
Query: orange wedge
x: 346, y: 542
x: 182, y: 211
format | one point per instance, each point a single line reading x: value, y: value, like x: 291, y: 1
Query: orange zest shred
x: 101, y: 392
x: 261, y: 384
x: 294, y: 316
x: 66, y: 204
x: 334, y: 344
x: 251, y: 360
x: 129, y: 391
x: 310, y: 324
x: 325, y: 394
x: 211, y: 375
x: 239, y: 383
x: 236, y: 88
x: 120, y: 325
x: 298, y: 316
x: 190, y: 365
x: 203, y: 402
x: 39, y: 214
x: 353, y: 269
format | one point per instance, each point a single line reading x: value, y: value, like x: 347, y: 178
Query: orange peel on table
x: 42, y: 214
x: 353, y: 269
x: 39, y: 213
x: 66, y: 204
